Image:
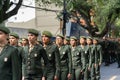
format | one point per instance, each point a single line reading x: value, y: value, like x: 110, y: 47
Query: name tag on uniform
x: 49, y: 55
x: 85, y: 51
x: 5, y: 59
x: 35, y: 55
x: 77, y: 53
x: 63, y: 52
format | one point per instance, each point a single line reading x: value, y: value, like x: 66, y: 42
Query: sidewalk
x: 110, y: 72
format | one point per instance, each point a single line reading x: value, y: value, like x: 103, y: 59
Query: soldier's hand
x: 55, y: 78
x: 43, y: 78
x: 89, y: 68
x: 99, y: 64
x: 82, y: 71
x: 69, y: 76
x: 23, y: 78
x: 95, y: 65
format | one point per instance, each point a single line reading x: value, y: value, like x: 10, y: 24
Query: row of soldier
x: 111, y: 50
x: 79, y: 60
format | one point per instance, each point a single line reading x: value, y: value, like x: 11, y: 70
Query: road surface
x: 110, y: 72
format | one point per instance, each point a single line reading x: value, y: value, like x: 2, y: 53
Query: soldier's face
x: 24, y: 41
x: 82, y: 41
x: 89, y: 41
x: 3, y: 36
x: 95, y: 42
x: 59, y: 40
x: 72, y: 42
x: 13, y: 40
x: 45, y: 39
x: 32, y: 37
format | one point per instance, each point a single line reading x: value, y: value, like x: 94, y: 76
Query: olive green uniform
x: 98, y: 60
x: 32, y: 62
x: 65, y: 61
x: 92, y: 63
x: 87, y: 53
x: 20, y: 49
x: 53, y: 55
x: 95, y: 59
x: 77, y: 63
x: 9, y: 64
x: 21, y: 55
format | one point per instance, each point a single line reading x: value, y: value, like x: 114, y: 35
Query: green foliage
x: 117, y: 23
x: 117, y: 28
x: 105, y: 10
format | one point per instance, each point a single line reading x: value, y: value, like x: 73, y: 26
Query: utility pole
x: 64, y: 17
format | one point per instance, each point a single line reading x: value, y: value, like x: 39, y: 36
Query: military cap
x: 83, y: 37
x: 68, y: 39
x: 20, y: 41
x: 95, y: 38
x: 15, y: 35
x: 73, y: 37
x: 33, y: 31
x: 47, y: 33
x: 4, y: 29
x: 24, y: 38
x: 89, y: 37
x: 60, y: 35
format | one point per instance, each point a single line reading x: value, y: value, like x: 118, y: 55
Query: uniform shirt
x: 65, y: 57
x: 32, y: 61
x: 84, y: 55
x: 76, y: 58
x: 92, y: 55
x: 98, y: 54
x: 53, y: 55
x: 9, y: 64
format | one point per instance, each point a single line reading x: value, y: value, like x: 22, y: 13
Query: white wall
x: 25, y: 13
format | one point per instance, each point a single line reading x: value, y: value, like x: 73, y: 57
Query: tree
x: 5, y: 5
x: 98, y: 14
x: 117, y: 29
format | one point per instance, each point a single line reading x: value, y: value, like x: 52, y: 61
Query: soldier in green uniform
x: 13, y: 39
x: 118, y: 52
x: 65, y: 58
x: 98, y: 58
x: 24, y: 42
x: 91, y: 66
x: 9, y: 59
x: 53, y: 55
x: 32, y: 58
x: 85, y: 56
x: 76, y: 59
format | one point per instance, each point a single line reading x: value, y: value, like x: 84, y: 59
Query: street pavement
x: 110, y: 72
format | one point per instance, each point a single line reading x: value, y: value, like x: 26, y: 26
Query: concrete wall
x: 43, y: 21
